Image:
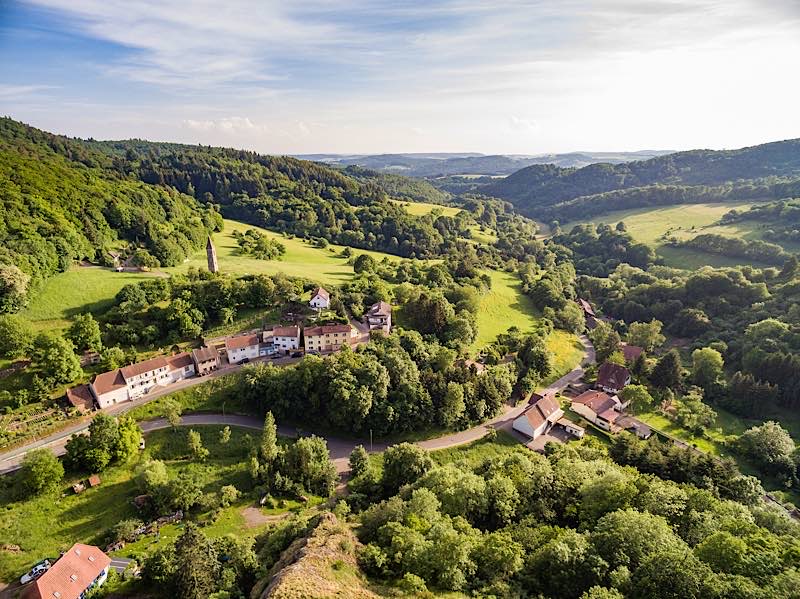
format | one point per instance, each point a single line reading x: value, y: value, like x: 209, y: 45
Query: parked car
x: 297, y: 354
x: 244, y: 360
x: 35, y: 572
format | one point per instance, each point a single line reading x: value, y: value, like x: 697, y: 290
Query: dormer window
x: 73, y: 577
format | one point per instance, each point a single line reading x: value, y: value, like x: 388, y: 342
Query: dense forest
x: 693, y: 176
x: 61, y: 201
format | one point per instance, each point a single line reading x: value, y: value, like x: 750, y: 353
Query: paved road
x: 339, y: 448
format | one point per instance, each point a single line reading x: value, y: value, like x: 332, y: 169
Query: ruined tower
x: 211, y: 252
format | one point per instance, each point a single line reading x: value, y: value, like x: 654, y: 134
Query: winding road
x: 339, y: 448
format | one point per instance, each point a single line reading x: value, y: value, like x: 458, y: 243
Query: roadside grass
x: 425, y: 208
x: 684, y: 221
x: 81, y: 289
x: 473, y: 454
x: 567, y: 353
x: 45, y: 525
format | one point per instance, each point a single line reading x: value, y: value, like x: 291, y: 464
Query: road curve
x: 339, y: 448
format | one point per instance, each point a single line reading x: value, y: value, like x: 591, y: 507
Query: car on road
x: 244, y: 361
x: 35, y: 572
x: 297, y: 354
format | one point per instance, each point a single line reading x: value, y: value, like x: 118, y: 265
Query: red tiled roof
x: 597, y: 401
x: 80, y: 397
x: 542, y: 410
x: 94, y: 480
x: 180, y: 361
x: 327, y: 328
x: 612, y: 376
x: 241, y: 341
x: 291, y: 331
x: 322, y: 292
x: 108, y: 381
x: 142, y: 367
x: 71, y: 575
x: 631, y: 352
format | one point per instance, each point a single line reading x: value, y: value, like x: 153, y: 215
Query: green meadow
x: 424, y: 208
x: 683, y: 221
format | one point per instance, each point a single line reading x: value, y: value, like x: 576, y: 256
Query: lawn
x: 424, y: 208
x: 473, y: 454
x: 684, y: 221
x: 46, y: 525
x: 81, y: 289
x: 505, y: 306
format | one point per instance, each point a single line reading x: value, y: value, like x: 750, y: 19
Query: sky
x: 376, y: 76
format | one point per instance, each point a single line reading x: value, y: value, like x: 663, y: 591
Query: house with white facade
x: 320, y: 299
x: 543, y: 412
x: 143, y: 376
x: 599, y: 408
x: 180, y: 366
x: 109, y: 388
x: 242, y: 347
x: 379, y: 317
x: 286, y: 339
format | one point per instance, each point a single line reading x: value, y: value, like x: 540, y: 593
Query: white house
x: 143, y: 376
x: 379, y: 317
x: 180, y: 366
x: 286, y: 339
x: 598, y: 407
x: 109, y: 388
x: 242, y: 347
x: 320, y: 299
x: 536, y: 420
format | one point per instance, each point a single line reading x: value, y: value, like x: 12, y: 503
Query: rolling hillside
x: 767, y: 171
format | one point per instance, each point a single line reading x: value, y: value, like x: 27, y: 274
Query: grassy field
x: 46, y: 525
x: 82, y: 289
x: 424, y: 208
x: 476, y: 452
x: 92, y: 289
x: 684, y: 222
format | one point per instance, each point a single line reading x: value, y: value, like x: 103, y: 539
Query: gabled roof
x: 321, y: 292
x: 71, y: 575
x: 80, y: 397
x: 612, y: 376
x: 291, y: 331
x: 204, y: 354
x: 546, y: 408
x: 327, y: 328
x: 107, y: 382
x: 597, y: 401
x: 380, y: 309
x: 631, y: 352
x: 142, y: 367
x: 180, y: 361
x: 586, y: 306
x: 241, y: 341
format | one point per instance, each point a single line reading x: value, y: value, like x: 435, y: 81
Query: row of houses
x: 133, y: 381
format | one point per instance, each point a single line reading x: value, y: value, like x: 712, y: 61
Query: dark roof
x: 380, y: 309
x: 612, y: 376
x: 543, y: 409
x: 180, y: 361
x: 241, y: 341
x: 71, y: 575
x: 108, y: 381
x: 80, y: 397
x: 636, y: 426
x: 322, y: 292
x: 204, y: 354
x: 631, y: 352
x: 327, y: 328
x: 142, y: 367
x: 291, y: 331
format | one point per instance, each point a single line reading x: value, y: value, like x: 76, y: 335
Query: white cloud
x: 234, y: 124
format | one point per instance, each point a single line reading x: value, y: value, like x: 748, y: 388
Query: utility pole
x: 370, y: 440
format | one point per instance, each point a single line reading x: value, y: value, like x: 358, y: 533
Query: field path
x: 339, y: 448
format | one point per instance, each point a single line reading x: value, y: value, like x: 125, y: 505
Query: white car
x: 35, y: 572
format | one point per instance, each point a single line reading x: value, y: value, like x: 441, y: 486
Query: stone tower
x: 211, y: 253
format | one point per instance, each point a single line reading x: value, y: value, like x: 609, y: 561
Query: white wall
x: 237, y: 355
x: 112, y: 397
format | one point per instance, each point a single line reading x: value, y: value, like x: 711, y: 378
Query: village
x: 272, y: 342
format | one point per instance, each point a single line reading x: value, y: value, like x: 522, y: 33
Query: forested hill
x: 61, y: 201
x: 697, y: 175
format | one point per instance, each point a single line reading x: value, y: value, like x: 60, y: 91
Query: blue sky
x: 376, y: 76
